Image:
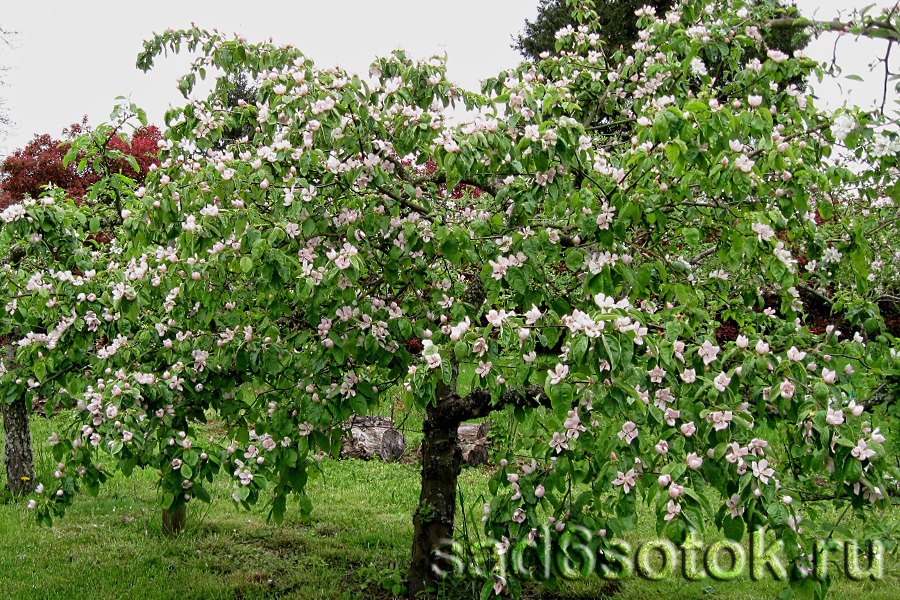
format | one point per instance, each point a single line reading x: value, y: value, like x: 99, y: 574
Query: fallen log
x: 473, y: 442
x: 472, y: 432
x: 368, y: 437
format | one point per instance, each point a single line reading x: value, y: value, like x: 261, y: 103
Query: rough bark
x: 19, y: 461
x: 173, y: 522
x: 433, y: 519
x: 17, y: 439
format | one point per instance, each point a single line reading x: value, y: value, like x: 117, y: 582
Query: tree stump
x: 475, y: 454
x: 369, y: 437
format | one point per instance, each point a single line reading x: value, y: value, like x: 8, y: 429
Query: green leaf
x: 246, y: 264
x: 447, y: 372
x: 465, y: 379
x: 574, y: 259
x: 561, y: 397
x: 691, y: 235
x: 733, y: 528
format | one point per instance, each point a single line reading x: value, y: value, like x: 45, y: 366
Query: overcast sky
x: 73, y: 58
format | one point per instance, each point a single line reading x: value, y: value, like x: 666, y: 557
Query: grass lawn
x: 111, y: 546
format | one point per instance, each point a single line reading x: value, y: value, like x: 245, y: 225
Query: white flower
x: 842, y: 126
x: 833, y: 417
x: 497, y: 318
x: 532, y: 316
x: 743, y: 163
x: 483, y: 368
x: 693, y: 461
x: 787, y: 389
x: 861, y: 452
x: 697, y: 67
x: 777, y: 55
x: 795, y: 355
x: 629, y: 432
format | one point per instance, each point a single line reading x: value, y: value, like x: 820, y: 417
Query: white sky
x: 73, y: 58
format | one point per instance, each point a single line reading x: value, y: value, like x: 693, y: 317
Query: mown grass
x: 356, y: 545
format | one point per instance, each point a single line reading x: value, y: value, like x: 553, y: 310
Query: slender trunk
x: 173, y: 522
x: 433, y: 519
x: 19, y: 462
x: 17, y: 438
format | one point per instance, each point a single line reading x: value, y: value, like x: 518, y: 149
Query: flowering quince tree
x: 299, y: 274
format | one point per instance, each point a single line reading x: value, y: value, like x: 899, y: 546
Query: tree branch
x: 456, y: 409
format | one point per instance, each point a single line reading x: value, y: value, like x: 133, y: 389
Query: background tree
x: 238, y: 90
x: 618, y: 25
x: 42, y: 162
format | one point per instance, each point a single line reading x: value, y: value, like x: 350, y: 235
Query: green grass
x: 111, y: 546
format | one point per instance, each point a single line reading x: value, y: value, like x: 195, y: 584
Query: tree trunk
x: 19, y: 462
x: 433, y: 519
x: 17, y: 436
x: 173, y: 522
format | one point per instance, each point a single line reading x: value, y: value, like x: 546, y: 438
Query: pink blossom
x: 861, y: 452
x: 833, y: 417
x: 657, y: 374
x: 762, y: 470
x: 558, y: 373
x: 483, y: 368
x: 795, y: 355
x: 721, y: 381
x: 672, y: 510
x: 626, y: 480
x: 787, y: 389
x: 559, y: 442
x: 708, y: 352
x: 629, y: 432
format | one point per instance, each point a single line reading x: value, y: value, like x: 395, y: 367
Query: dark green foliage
x: 620, y: 27
x: 618, y: 19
